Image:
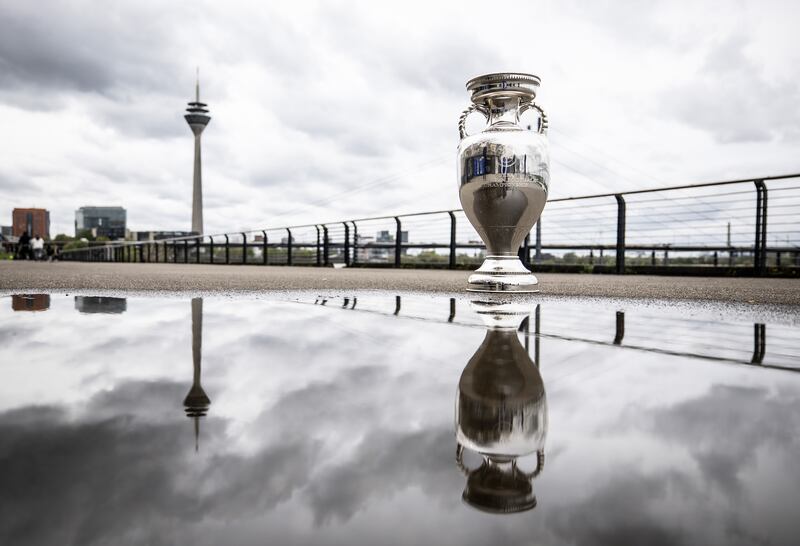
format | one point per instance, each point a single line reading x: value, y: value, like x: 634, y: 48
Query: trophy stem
x: 503, y: 274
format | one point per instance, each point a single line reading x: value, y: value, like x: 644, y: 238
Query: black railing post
x: 397, y: 302
x: 319, y: 248
x: 452, y: 310
x: 759, y: 343
x: 166, y: 254
x: 186, y: 251
x: 398, y: 242
x: 355, y: 243
x: 155, y: 250
x: 227, y: 249
x: 763, y: 228
x: 538, y: 255
x: 174, y: 252
x: 757, y: 243
x: 653, y: 258
x: 211, y: 250
x: 289, y: 247
x: 716, y: 259
x: 197, y: 250
x: 524, y: 251
x: 666, y: 257
x: 452, y: 260
x: 525, y: 328
x: 264, y: 248
x: 346, y: 244
x: 537, y: 325
x: 620, y: 234
x: 325, y: 243
x: 760, y: 250
x: 244, y: 247
x: 620, y: 331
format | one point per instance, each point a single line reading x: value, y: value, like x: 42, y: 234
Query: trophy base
x: 503, y: 274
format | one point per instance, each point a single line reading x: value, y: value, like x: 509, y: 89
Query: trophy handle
x: 460, y: 459
x: 542, y: 115
x: 462, y: 120
x: 539, y: 465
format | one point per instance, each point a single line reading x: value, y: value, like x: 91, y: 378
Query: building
x: 387, y: 236
x: 101, y: 221
x: 30, y: 302
x: 100, y: 304
x: 6, y: 231
x: 197, y: 118
x: 33, y: 221
x: 150, y: 236
x: 382, y: 253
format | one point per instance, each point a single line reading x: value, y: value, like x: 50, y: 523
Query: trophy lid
x: 504, y: 84
x: 499, y: 489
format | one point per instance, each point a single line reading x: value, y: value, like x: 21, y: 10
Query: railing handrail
x: 448, y: 211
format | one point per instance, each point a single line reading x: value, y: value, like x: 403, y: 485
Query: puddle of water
x: 408, y: 419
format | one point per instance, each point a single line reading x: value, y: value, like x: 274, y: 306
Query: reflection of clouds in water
x: 337, y: 427
x: 384, y: 464
x: 726, y: 428
x: 116, y: 474
x: 627, y: 509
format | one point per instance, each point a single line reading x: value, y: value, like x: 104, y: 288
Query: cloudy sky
x: 322, y: 111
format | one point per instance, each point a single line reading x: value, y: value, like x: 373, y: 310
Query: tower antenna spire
x: 197, y: 86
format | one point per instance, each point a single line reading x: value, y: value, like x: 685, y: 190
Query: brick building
x: 34, y: 221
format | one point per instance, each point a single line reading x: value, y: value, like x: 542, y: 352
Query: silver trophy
x: 503, y: 177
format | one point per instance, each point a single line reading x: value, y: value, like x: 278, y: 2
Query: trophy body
x: 503, y: 177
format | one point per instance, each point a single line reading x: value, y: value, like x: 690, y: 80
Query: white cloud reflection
x: 336, y: 426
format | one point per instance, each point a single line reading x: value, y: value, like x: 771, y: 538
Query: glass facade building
x: 101, y: 221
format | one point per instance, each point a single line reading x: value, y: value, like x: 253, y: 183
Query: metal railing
x: 707, y: 228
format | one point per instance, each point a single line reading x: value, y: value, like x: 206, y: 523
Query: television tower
x: 197, y: 118
x: 196, y: 403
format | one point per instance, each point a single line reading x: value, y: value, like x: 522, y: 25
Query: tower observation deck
x: 197, y: 117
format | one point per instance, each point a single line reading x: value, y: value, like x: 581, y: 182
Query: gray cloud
x: 732, y: 98
x: 309, y: 103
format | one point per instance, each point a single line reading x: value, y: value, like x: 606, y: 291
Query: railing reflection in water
x: 501, y: 405
x: 733, y: 342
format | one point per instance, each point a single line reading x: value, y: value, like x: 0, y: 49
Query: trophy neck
x: 503, y: 113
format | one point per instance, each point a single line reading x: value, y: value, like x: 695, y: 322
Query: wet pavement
x: 395, y: 418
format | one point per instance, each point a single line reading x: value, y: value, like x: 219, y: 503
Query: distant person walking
x: 24, y: 247
x: 38, y: 248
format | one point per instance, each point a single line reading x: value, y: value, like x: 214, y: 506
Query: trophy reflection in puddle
x: 196, y: 403
x: 501, y: 413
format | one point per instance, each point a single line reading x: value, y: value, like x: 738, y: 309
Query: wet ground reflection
x: 337, y: 421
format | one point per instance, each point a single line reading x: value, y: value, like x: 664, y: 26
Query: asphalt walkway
x: 28, y: 276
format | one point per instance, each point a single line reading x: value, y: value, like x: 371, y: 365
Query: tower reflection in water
x: 197, y: 402
x: 501, y: 413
